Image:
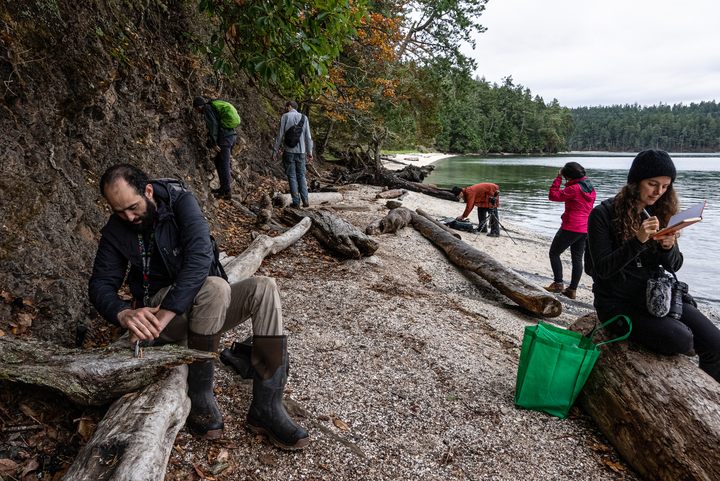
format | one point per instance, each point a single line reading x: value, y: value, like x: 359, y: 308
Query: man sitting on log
x: 180, y: 293
x: 486, y: 196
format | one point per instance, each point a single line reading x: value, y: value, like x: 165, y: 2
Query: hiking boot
x: 493, y: 234
x: 569, y: 293
x: 267, y: 414
x: 555, y: 287
x: 306, y: 204
x: 205, y: 419
x: 215, y: 191
x: 223, y: 194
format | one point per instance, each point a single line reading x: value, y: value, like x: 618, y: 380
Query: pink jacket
x: 579, y: 197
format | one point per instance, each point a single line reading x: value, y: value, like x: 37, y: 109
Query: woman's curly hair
x: 627, y: 221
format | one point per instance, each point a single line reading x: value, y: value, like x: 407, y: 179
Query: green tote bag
x: 554, y: 365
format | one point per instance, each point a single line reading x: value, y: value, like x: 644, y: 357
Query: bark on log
x: 513, y: 285
x: 391, y: 223
x: 248, y: 262
x: 439, y: 224
x: 662, y: 413
x: 90, y: 377
x: 391, y: 194
x: 134, y: 440
x: 335, y: 233
x: 315, y: 198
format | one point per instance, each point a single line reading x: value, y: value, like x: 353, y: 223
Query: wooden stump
x: 395, y: 220
x: 662, y: 413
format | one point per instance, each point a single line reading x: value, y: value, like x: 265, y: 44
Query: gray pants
x: 219, y: 307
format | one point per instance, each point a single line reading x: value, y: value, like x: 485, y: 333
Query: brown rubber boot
x: 555, y: 287
x: 205, y: 419
x: 570, y: 293
x: 267, y: 414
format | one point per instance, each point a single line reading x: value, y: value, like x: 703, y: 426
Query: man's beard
x: 147, y: 220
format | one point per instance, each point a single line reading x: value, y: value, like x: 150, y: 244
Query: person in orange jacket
x: 486, y: 197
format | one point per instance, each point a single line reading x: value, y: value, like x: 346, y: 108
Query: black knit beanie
x: 651, y: 163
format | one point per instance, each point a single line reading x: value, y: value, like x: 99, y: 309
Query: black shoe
x: 215, y: 191
x: 223, y: 194
x: 493, y: 234
x: 306, y: 203
x: 267, y: 414
x: 205, y: 419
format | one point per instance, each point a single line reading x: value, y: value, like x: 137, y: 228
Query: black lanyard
x: 145, y: 254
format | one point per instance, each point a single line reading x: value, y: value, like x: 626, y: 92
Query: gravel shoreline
x: 403, y: 368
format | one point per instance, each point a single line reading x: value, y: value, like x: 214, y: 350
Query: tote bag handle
x: 606, y: 323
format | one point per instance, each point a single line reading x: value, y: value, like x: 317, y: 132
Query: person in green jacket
x: 221, y: 119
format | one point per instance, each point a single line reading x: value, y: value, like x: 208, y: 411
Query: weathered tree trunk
x: 90, y: 377
x: 391, y: 223
x: 513, y: 285
x: 386, y: 177
x: 248, y: 262
x: 134, y: 439
x: 662, y: 413
x: 439, y: 224
x: 314, y: 198
x: 335, y: 233
x: 391, y: 194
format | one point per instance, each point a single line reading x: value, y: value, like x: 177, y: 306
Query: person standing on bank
x: 622, y: 255
x: 579, y: 197
x: 221, y: 119
x: 486, y: 196
x: 180, y: 293
x: 297, y: 143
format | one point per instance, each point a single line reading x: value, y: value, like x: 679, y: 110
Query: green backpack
x: 228, y: 116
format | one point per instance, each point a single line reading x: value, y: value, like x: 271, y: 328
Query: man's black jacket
x: 183, y: 241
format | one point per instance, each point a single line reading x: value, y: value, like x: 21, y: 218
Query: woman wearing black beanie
x: 622, y: 255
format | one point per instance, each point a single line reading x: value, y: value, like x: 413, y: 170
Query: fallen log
x: 439, y: 224
x: 314, y: 198
x: 90, y: 377
x: 529, y: 296
x: 248, y: 262
x: 136, y: 436
x: 395, y: 220
x: 335, y: 233
x: 391, y: 194
x: 129, y: 420
x: 387, y: 178
x: 662, y: 413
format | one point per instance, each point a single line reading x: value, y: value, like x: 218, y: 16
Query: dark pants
x: 668, y: 336
x: 222, y: 162
x: 483, y: 220
x: 576, y: 242
x: 294, y: 166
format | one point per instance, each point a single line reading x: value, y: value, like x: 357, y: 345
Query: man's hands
x: 146, y: 323
x: 461, y: 218
x: 309, y: 156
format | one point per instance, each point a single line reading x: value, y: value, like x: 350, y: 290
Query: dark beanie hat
x: 198, y: 102
x: 651, y: 163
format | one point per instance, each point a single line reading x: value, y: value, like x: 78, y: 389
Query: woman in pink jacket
x: 579, y: 197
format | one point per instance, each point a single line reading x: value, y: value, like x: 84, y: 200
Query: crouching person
x: 180, y: 294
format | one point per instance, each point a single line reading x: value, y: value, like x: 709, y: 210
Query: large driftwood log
x: 391, y: 194
x: 248, y: 262
x: 132, y: 420
x: 662, y: 413
x: 134, y: 440
x: 335, y: 233
x: 395, y: 220
x: 387, y: 178
x: 511, y: 284
x: 90, y: 377
x: 314, y: 198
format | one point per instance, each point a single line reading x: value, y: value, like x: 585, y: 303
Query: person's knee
x: 675, y: 339
x: 265, y: 286
x: 216, y: 291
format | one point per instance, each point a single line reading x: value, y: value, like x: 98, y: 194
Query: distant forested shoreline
x: 677, y: 128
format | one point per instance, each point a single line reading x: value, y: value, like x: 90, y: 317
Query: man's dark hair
x: 456, y: 191
x: 198, y: 102
x: 135, y: 177
x: 291, y: 103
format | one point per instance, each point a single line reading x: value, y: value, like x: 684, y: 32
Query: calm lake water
x: 524, y: 184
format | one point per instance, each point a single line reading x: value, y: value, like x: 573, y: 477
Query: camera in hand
x: 493, y: 200
x: 679, y: 290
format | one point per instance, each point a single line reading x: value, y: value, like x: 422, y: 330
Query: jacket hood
x: 587, y: 188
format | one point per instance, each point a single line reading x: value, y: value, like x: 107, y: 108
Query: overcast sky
x: 592, y: 52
